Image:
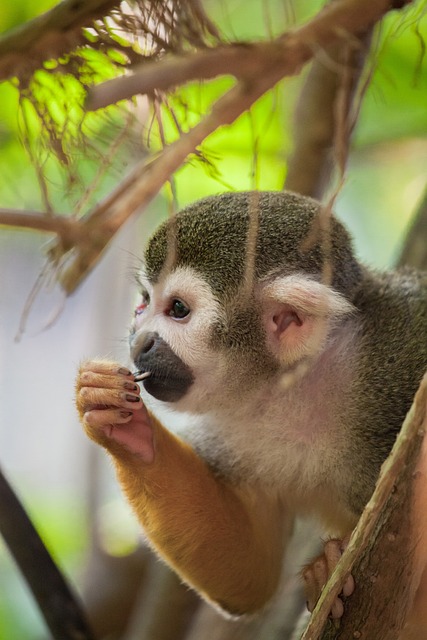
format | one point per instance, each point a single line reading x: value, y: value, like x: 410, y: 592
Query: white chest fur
x: 289, y: 440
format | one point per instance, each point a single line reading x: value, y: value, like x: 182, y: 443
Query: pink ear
x: 290, y: 333
x: 282, y: 318
x: 298, y: 314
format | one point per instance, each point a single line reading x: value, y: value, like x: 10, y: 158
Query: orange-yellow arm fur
x: 223, y: 540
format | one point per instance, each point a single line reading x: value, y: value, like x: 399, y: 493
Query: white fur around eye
x: 189, y: 337
x: 184, y: 283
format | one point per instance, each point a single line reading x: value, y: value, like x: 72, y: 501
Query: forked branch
x: 338, y: 21
x: 257, y: 68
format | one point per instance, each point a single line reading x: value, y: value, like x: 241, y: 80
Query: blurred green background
x: 385, y: 180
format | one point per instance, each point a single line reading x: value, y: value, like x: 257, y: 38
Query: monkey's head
x: 231, y: 297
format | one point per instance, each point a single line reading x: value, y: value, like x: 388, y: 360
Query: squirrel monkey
x: 296, y: 387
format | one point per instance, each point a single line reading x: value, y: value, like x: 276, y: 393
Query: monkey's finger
x: 106, y: 367
x: 337, y: 609
x: 106, y: 381
x: 131, y: 430
x: 349, y: 585
x: 333, y: 552
x: 107, y: 418
x: 314, y: 576
x: 94, y: 397
x: 320, y: 571
x: 317, y: 573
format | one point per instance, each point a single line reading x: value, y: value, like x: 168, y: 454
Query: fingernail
x: 131, y: 386
x: 123, y: 371
x: 130, y: 398
x: 125, y: 414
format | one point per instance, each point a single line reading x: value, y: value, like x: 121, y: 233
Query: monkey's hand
x: 226, y: 541
x: 317, y: 573
x: 111, y: 409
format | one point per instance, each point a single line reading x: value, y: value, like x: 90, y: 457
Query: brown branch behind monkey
x: 381, y: 551
x: 414, y: 252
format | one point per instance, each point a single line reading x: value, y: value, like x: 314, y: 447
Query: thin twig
x: 239, y: 60
x: 63, y: 226
x: 334, y: 23
x: 146, y: 180
x: 49, y: 35
x: 286, y: 57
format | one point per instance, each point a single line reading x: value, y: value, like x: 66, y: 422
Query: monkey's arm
x: 225, y: 541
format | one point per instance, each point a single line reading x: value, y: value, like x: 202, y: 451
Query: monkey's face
x: 230, y: 300
x: 171, y: 337
x: 204, y: 352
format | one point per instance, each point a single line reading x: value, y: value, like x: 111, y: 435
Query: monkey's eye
x: 178, y: 309
x: 143, y: 304
x: 140, y: 308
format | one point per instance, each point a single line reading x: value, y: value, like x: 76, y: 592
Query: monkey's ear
x: 298, y: 315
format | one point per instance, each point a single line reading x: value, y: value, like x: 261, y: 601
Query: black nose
x: 148, y: 341
x: 170, y: 377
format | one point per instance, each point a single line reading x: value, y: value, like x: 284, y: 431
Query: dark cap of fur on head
x: 211, y: 237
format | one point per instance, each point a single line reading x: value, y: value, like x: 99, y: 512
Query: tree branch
x: 384, y: 531
x: 113, y: 27
x: 147, y: 179
x: 239, y: 60
x: 333, y: 24
x: 58, y: 605
x: 336, y: 23
x: 328, y: 89
x: 50, y: 35
x: 414, y: 252
x: 67, y: 229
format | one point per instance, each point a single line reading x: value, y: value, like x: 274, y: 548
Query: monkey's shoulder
x: 392, y: 307
x: 393, y: 298
x: 393, y: 311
